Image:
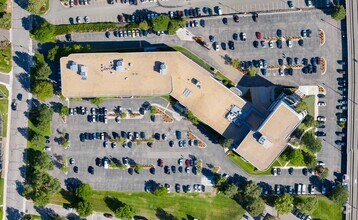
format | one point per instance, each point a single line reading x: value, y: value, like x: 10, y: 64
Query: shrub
x: 338, y: 12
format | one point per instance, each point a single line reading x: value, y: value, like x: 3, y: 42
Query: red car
x: 120, y: 18
x: 236, y: 18
x: 76, y: 2
x: 258, y: 35
x: 160, y: 162
x: 187, y: 163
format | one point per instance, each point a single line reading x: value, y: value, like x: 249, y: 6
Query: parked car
x: 321, y: 118
x: 236, y: 18
x: 258, y: 35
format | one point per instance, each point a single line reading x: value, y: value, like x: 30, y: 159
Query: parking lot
x: 87, y: 153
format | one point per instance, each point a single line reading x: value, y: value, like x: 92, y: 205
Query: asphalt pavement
x: 14, y: 203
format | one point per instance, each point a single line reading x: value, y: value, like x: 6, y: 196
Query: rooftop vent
x: 119, y: 66
x: 187, y: 92
x: 163, y: 69
x: 265, y: 142
x: 83, y: 72
x: 74, y: 67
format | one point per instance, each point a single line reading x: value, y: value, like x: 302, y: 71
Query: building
x: 261, y: 147
x: 162, y: 73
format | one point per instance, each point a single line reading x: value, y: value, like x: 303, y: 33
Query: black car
x: 320, y: 134
x: 279, y: 44
x: 75, y: 169
x: 300, y: 42
x: 231, y: 45
x: 256, y: 44
x: 91, y: 170
x: 305, y: 171
x: 279, y: 33
x: 157, y: 136
x: 177, y: 188
x: 225, y: 21
x: 178, y: 134
x: 68, y: 37
x: 278, y: 171
x: 130, y: 171
x: 171, y: 143
x: 235, y: 36
x: 108, y: 34
x: 152, y: 170
x: 174, y: 169
x: 167, y: 170
x: 255, y: 17
x: 14, y: 105
x: 291, y: 170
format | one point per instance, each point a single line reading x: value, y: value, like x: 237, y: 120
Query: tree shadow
x: 14, y: 214
x: 19, y: 187
x: 164, y: 215
x: 47, y: 213
x: 69, y: 196
x: 24, y: 132
x: 22, y: 3
x: 24, y: 80
x: 56, y: 106
x: 113, y: 203
x: 22, y: 171
x: 22, y: 59
x: 72, y: 184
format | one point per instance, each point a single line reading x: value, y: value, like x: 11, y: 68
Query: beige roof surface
x: 209, y: 100
x: 140, y: 79
x: 276, y: 128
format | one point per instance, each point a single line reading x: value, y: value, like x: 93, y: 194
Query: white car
x: 106, y: 163
x: 274, y: 171
x: 321, y: 103
x: 289, y: 43
x: 342, y: 119
x: 86, y: 19
x: 321, y: 118
x: 216, y: 46
x: 79, y: 20
x: 270, y: 44
x: 309, y: 3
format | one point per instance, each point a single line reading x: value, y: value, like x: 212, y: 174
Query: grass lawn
x: 200, y: 206
x: 310, y: 104
x: 5, y: 60
x: 4, y: 108
x: 248, y: 167
x: 327, y: 210
x: 39, y: 7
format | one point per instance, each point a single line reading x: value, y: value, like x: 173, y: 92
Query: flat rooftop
x: 185, y: 81
x: 277, y: 127
x: 141, y: 75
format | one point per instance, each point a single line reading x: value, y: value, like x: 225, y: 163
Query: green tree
x: 311, y: 142
x: 231, y: 190
x: 160, y: 191
x: 43, y: 117
x: 236, y: 63
x: 125, y: 212
x: 84, y: 208
x: 283, y: 204
x: 39, y: 160
x: 40, y: 186
x: 307, y: 204
x: 192, y: 118
x: 153, y: 110
x: 44, y: 33
x: 160, y: 23
x: 226, y: 142
x: 253, y: 71
x: 43, y: 90
x: 309, y: 159
x: 174, y: 25
x: 5, y: 21
x: 143, y: 25
x: 96, y: 101
x: 255, y: 207
x: 338, y: 12
x: 309, y: 121
x: 138, y: 168
x: 84, y: 192
x: 251, y: 191
x: 38, y: 141
x: 53, y: 53
x: 302, y: 106
x: 64, y: 110
x: 132, y: 26
x: 339, y: 195
x: 323, y: 173
x: 42, y: 72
